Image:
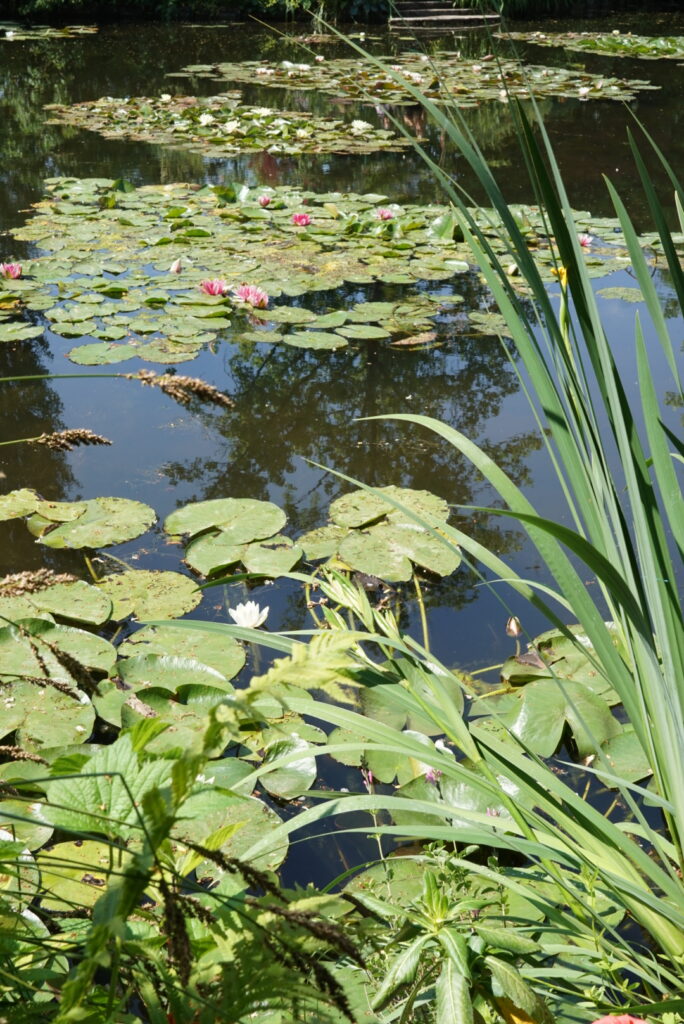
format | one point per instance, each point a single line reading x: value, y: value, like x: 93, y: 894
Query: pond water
x: 294, y: 405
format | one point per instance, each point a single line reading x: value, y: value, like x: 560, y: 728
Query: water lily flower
x: 265, y: 201
x: 301, y: 220
x: 585, y: 240
x: 206, y: 119
x: 253, y: 295
x: 583, y: 91
x: 176, y: 266
x: 359, y: 127
x: 319, y: 58
x: 248, y: 615
x: 214, y: 286
x: 165, y: 97
x: 231, y: 126
x: 10, y: 270
x: 384, y: 214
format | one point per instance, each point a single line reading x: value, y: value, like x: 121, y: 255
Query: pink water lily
x: 302, y: 220
x: 585, y: 240
x: 10, y: 270
x: 253, y: 295
x: 176, y: 266
x: 384, y: 214
x: 214, y: 286
x: 265, y: 201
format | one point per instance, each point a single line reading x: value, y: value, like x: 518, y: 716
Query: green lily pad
x: 296, y: 777
x: 388, y: 550
x: 609, y: 44
x: 44, y: 716
x: 74, y: 874
x: 101, y: 354
x: 104, y: 521
x: 272, y: 557
x: 623, y: 294
x: 359, y: 508
x: 314, y: 339
x: 363, y: 332
x: 218, y: 651
x: 240, y: 520
x: 211, y: 552
x: 168, y: 672
x: 149, y: 594
x: 25, y: 650
x: 211, y: 810
x: 18, y: 503
x: 19, y: 330
x: 22, y: 820
x: 322, y: 542
x: 78, y: 601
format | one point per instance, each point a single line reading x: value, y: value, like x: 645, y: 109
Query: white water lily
x: 231, y: 126
x: 358, y: 127
x: 206, y: 119
x: 248, y: 615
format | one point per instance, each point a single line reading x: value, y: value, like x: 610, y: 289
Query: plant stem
x: 421, y: 609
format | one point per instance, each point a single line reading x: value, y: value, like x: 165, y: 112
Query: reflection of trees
x: 27, y: 410
x: 294, y: 404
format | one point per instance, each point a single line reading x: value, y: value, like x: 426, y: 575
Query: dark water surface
x: 291, y: 404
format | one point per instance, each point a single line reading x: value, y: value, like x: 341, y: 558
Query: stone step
x: 443, y: 20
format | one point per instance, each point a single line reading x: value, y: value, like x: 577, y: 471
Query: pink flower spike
x: 265, y: 201
x: 622, y: 1018
x: 214, y: 286
x: 10, y: 270
x: 302, y: 220
x: 384, y: 214
x: 585, y: 241
x: 252, y: 295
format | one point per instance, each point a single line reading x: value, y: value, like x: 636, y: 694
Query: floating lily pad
x: 14, y: 32
x: 623, y: 294
x: 44, y: 716
x: 169, y: 672
x: 25, y: 650
x: 149, y: 594
x: 103, y: 522
x: 18, y: 503
x: 296, y: 777
x: 101, y: 354
x: 359, y: 508
x: 240, y: 520
x: 218, y: 651
x: 371, y: 536
x: 78, y: 601
x: 74, y: 874
x: 19, y: 330
x: 389, y: 550
x: 314, y: 339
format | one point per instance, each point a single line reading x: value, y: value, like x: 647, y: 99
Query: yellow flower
x: 562, y: 275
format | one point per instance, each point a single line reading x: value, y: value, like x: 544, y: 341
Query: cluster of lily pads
x: 220, y: 126
x: 13, y: 31
x: 608, y: 44
x: 135, y: 270
x: 443, y: 78
x: 60, y: 680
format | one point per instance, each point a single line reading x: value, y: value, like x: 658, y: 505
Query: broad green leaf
x: 241, y: 520
x: 150, y: 594
x: 105, y: 521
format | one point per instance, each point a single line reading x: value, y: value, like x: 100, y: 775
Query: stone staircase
x: 435, y: 15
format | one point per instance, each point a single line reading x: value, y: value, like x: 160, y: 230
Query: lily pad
x: 103, y: 522
x: 78, y: 601
x: 74, y: 874
x: 360, y: 508
x: 609, y: 44
x: 169, y: 672
x: 389, y: 550
x: 148, y: 594
x: 18, y: 503
x: 44, y: 716
x: 240, y: 520
x: 25, y: 650
x: 218, y: 651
